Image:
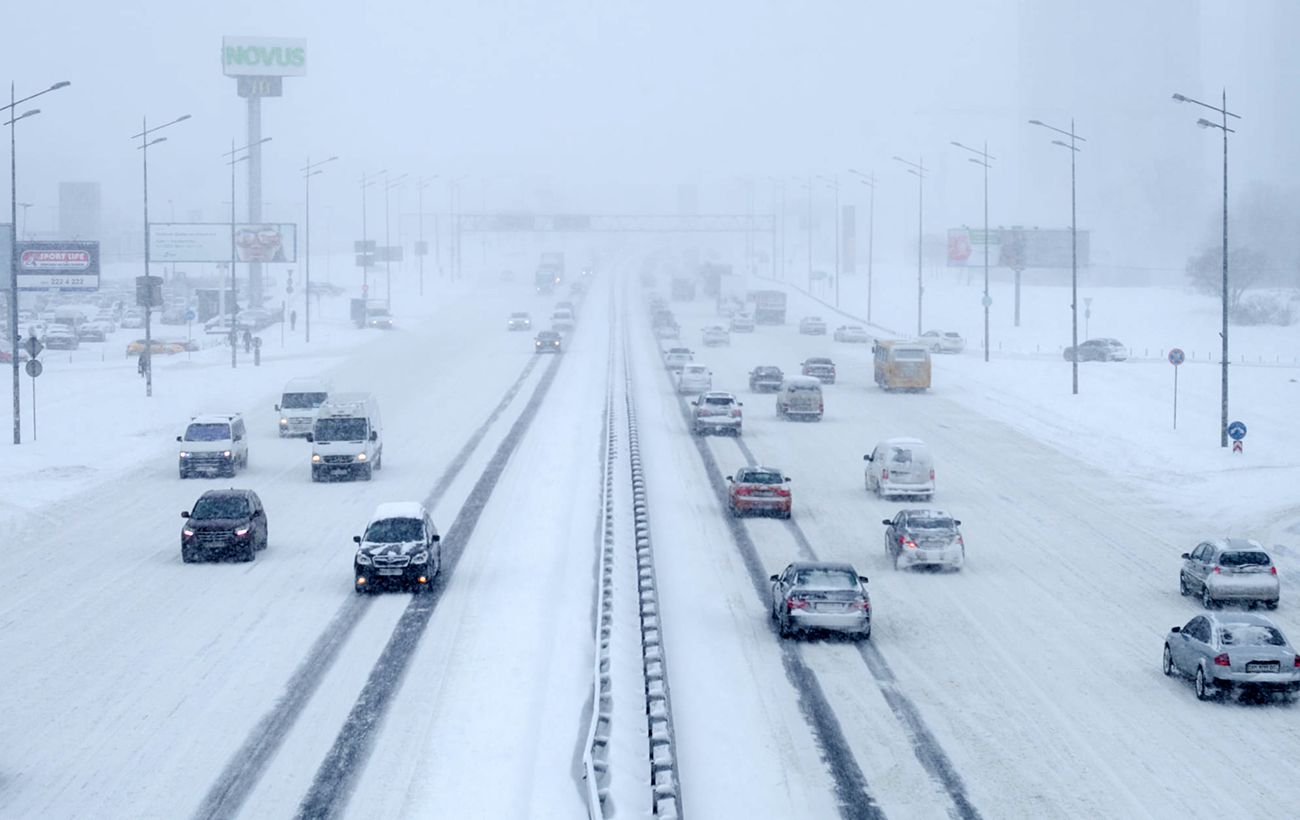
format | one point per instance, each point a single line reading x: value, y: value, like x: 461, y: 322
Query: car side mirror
x: 180, y: 438
x: 786, y: 479
x: 356, y: 539
x: 956, y: 521
x: 866, y: 458
x: 277, y: 408
x: 774, y: 578
x: 1176, y: 629
x: 185, y: 514
x: 886, y: 522
x: 1186, y: 556
x: 862, y: 578
x: 695, y: 402
x: 740, y: 404
x: 310, y: 437
x: 435, y: 538
x: 374, y: 435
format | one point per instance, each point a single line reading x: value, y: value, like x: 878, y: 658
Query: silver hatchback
x: 821, y: 595
x: 1234, y: 570
x: 1242, y: 650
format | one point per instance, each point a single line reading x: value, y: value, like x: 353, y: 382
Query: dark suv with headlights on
x: 400, y: 547
x: 224, y: 523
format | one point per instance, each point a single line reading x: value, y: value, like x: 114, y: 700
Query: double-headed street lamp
x: 145, y: 142
x: 395, y: 182
x: 1074, y: 247
x: 453, y: 229
x: 421, y: 249
x: 309, y: 170
x: 983, y: 159
x: 1222, y: 126
x: 917, y: 169
x: 14, y: 117
x: 778, y: 247
x: 232, y: 161
x: 835, y: 184
x: 869, y: 180
x: 365, y: 255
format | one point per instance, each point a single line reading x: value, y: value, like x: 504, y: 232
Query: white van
x: 347, y: 438
x: 900, y: 467
x: 301, y: 399
x: 213, y: 444
x: 800, y: 397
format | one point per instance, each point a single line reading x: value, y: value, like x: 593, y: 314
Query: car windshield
x: 302, y: 401
x: 767, y: 371
x: 931, y: 524
x: 394, y: 530
x: 519, y: 316
x: 819, y: 361
x: 722, y: 401
x: 1245, y: 558
x: 346, y: 429
x: 220, y: 506
x: 761, y: 477
x: 909, y: 354
x: 207, y: 432
x: 1251, y: 635
x: 826, y: 579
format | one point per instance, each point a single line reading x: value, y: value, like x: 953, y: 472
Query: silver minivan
x: 800, y: 397
x: 900, y: 467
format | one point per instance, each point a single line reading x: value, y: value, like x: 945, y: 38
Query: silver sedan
x: 1221, y: 653
x: 817, y: 595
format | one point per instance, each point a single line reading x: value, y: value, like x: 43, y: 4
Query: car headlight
x: 361, y: 456
x: 240, y: 532
x: 284, y: 422
x: 225, y: 454
x: 363, y: 559
x: 185, y: 454
x: 315, y: 459
x: 188, y: 533
x: 421, y: 557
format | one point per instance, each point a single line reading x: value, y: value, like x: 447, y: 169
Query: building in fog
x: 79, y: 211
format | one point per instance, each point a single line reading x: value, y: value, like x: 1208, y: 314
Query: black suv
x: 224, y: 522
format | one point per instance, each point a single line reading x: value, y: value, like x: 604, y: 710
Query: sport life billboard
x: 210, y: 242
x: 263, y: 56
x: 55, y: 265
x: 1016, y: 248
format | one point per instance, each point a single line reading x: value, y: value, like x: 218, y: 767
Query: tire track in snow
x: 237, y: 780
x: 336, y: 777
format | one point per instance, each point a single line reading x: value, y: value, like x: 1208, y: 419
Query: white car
x: 717, y: 413
x: 562, y: 320
x: 742, y: 323
x: 132, y: 319
x: 715, y: 335
x: 677, y: 357
x: 694, y: 378
x: 900, y: 467
x: 856, y: 334
x: 812, y: 326
x: 940, y: 341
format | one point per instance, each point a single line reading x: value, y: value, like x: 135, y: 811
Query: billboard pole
x: 254, y: 191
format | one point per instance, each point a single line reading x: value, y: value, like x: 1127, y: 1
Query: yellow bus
x: 902, y: 365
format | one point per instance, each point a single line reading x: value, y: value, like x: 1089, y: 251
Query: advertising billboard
x: 1017, y: 248
x: 58, y: 265
x: 264, y: 56
x: 210, y: 242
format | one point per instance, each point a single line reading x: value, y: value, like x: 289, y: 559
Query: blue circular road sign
x: 1236, y: 431
x: 1176, y: 356
x: 190, y: 316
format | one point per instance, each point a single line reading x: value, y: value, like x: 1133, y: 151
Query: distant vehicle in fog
x: 519, y: 321
x: 694, y: 378
x: 547, y: 341
x: 855, y: 334
x: 1097, y: 350
x: 765, y: 378
x: 677, y: 357
x: 800, y: 397
x: 940, y: 341
x: 716, y: 412
x: 819, y: 367
x: 715, y: 335
x: 812, y: 326
x: 742, y: 323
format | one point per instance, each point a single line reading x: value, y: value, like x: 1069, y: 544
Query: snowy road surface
x: 1028, y: 685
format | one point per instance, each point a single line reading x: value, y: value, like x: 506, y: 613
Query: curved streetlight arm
x: 24, y: 116
x: 1214, y: 108
x: 1069, y: 134
x: 16, y: 103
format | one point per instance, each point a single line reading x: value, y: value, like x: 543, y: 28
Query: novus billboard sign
x: 264, y: 56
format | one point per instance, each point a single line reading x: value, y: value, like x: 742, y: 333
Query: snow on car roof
x: 307, y: 384
x: 901, y: 440
x: 398, y: 509
x: 804, y: 381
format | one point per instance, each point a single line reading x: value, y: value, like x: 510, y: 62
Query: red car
x: 759, y: 490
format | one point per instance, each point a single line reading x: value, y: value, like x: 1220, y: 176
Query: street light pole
x: 869, y: 180
x: 810, y: 232
x: 366, y: 257
x: 983, y: 161
x: 145, y: 142
x: 1223, y: 333
x: 310, y: 170
x: 421, y: 184
x: 835, y: 184
x: 13, y: 235
x: 1074, y: 246
x: 388, y: 255
x: 234, y: 301
x: 917, y: 169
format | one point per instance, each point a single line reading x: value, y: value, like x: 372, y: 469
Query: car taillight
x: 932, y: 474
x: 960, y: 541
x: 735, y: 412
x: 906, y: 542
x: 1217, y: 570
x: 1222, y: 659
x: 742, y: 490
x: 1272, y: 570
x: 783, y: 492
x: 1297, y: 661
x: 884, y: 474
x: 862, y: 604
x: 796, y: 603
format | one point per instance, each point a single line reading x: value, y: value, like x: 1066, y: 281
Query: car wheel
x: 315, y: 474
x: 1203, y: 689
x: 250, y: 552
x: 1167, y: 662
x: 379, y: 461
x: 188, y: 556
x: 184, y: 474
x: 1183, y: 589
x: 865, y: 636
x: 1206, y: 599
x: 786, y: 515
x: 783, y: 627
x: 367, y: 473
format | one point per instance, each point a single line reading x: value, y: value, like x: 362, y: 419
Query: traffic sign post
x: 1237, y: 432
x: 1176, y: 358
x: 33, y: 347
x: 190, y: 316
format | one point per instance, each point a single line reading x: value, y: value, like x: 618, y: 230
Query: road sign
x: 1236, y: 447
x: 1236, y: 431
x: 987, y: 300
x: 34, y: 368
x: 1176, y: 356
x: 288, y: 288
x: 365, y: 289
x: 190, y: 315
x: 33, y: 346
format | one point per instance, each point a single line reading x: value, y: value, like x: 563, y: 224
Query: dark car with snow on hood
x: 401, y: 547
x: 224, y: 522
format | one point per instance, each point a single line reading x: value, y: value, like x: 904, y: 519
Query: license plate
x: 830, y: 607
x: 390, y: 572
x: 1262, y: 667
